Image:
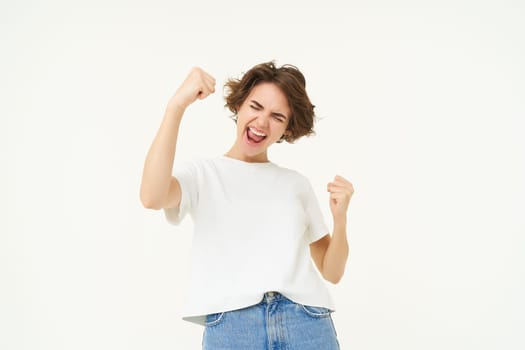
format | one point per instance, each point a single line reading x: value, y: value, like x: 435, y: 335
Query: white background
x: 421, y: 106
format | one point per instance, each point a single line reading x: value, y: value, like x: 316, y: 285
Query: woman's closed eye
x: 275, y: 116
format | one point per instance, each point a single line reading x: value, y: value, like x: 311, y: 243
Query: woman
x: 257, y: 225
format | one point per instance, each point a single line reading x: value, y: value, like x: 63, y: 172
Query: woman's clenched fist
x: 341, y: 190
x: 197, y: 85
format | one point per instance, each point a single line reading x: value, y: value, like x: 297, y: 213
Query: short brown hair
x: 291, y: 82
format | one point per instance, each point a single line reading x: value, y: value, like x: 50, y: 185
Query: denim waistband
x: 272, y: 296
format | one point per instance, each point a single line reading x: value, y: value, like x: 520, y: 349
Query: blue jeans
x: 276, y: 323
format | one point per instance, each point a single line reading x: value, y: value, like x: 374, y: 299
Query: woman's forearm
x: 158, y: 165
x: 336, y: 254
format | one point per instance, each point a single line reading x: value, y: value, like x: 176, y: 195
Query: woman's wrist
x: 173, y: 105
x: 339, y: 220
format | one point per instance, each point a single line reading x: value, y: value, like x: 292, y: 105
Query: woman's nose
x: 263, y: 121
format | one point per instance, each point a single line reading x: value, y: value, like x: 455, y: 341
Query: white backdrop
x: 421, y: 106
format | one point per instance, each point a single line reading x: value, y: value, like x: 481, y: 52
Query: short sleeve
x: 186, y: 175
x: 316, y: 225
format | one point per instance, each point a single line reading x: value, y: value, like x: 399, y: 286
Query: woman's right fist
x: 197, y: 85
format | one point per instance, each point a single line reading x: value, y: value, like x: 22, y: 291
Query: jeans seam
x: 213, y: 323
x: 313, y: 314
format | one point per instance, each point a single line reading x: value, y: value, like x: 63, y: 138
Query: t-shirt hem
x: 200, y: 317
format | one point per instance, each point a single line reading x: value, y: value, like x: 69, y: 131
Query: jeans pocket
x: 214, y: 319
x: 316, y: 311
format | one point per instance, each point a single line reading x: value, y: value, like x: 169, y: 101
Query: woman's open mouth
x: 254, y: 136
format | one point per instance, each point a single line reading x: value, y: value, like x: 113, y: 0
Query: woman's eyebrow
x: 274, y: 113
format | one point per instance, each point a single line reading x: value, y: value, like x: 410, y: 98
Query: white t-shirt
x: 253, y: 223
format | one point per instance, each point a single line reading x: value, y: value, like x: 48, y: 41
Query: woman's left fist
x: 341, y: 190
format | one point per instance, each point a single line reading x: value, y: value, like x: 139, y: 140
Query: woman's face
x: 261, y: 120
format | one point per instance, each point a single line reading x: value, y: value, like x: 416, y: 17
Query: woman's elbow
x: 148, y: 201
x: 333, y: 278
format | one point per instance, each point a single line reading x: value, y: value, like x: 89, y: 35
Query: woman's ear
x: 237, y: 107
x: 283, y: 137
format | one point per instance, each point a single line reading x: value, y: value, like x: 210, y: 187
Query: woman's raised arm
x: 159, y: 189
